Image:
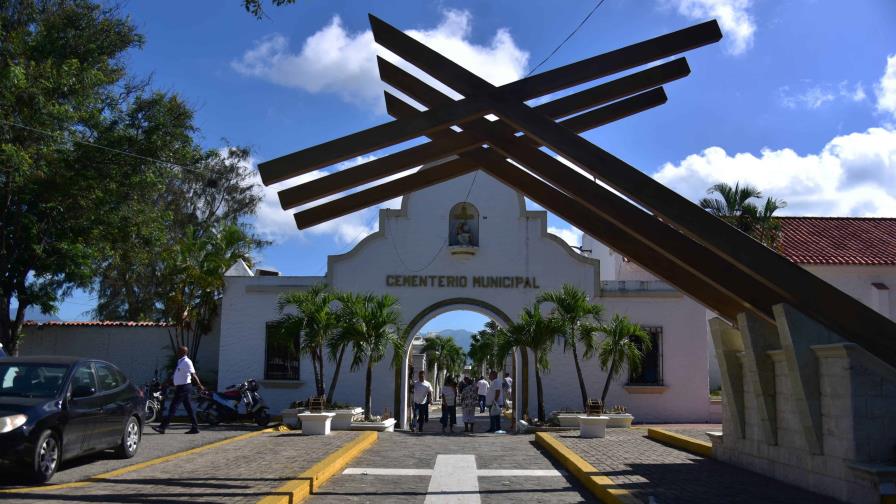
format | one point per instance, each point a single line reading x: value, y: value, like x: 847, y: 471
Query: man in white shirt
x: 482, y: 390
x: 422, y: 398
x: 496, y: 401
x: 183, y: 377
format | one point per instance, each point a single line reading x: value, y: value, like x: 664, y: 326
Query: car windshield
x: 31, y: 379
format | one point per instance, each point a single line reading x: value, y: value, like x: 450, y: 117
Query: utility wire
x: 110, y: 149
x: 566, y: 39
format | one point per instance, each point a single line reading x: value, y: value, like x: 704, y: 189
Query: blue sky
x: 799, y: 98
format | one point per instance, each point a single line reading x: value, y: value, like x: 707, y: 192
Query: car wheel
x: 130, y: 439
x: 47, y: 452
x: 262, y: 418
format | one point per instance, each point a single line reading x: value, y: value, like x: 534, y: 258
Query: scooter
x: 216, y: 407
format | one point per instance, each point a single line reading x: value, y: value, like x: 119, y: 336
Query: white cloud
x: 736, y: 22
x: 816, y: 95
x: 886, y: 89
x: 570, y: 235
x: 276, y: 224
x: 853, y: 175
x: 333, y: 60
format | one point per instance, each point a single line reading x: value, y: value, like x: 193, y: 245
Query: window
x: 652, y: 370
x: 31, y: 380
x: 108, y: 377
x: 83, y: 377
x: 281, y: 357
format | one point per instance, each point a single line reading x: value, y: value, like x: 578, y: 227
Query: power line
x: 566, y: 39
x: 110, y: 149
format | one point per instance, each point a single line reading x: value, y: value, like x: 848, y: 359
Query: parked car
x: 57, y: 408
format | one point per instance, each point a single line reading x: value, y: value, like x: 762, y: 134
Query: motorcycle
x: 155, y: 400
x: 237, y: 402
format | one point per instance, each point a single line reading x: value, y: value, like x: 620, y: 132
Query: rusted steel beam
x: 787, y: 281
x: 594, y: 224
x: 432, y: 151
x: 384, y: 135
x: 443, y: 171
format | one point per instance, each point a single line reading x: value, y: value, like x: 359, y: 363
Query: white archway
x: 433, y: 311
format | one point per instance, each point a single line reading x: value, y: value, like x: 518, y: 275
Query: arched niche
x: 463, y: 225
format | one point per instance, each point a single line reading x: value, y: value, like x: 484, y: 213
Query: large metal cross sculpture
x: 719, y: 266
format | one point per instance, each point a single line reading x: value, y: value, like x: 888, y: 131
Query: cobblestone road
x: 696, y: 431
x: 402, y: 450
x: 239, y: 472
x: 152, y: 446
x: 650, y: 469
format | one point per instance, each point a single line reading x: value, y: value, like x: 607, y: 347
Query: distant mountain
x: 461, y: 336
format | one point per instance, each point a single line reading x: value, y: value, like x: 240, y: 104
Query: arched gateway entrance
x: 434, y: 310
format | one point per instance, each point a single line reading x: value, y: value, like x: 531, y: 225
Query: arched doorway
x: 429, y: 313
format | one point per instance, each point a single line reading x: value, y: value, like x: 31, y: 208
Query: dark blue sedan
x: 57, y: 408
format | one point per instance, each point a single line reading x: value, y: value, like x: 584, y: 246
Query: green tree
x: 578, y: 319
x: 735, y: 206
x: 372, y: 324
x: 194, y: 275
x: 445, y: 354
x: 255, y: 7
x: 624, y: 345
x: 484, y: 347
x: 63, y: 81
x: 536, y: 333
x: 313, y: 324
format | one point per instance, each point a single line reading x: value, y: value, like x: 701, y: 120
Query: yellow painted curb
x: 599, y: 485
x: 136, y: 467
x: 688, y: 444
x: 305, y: 483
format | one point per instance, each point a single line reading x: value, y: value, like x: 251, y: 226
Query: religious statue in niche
x: 463, y: 225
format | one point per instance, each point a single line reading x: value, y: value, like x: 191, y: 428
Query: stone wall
x: 825, y: 425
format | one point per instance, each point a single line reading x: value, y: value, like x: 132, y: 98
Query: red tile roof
x: 839, y: 240
x: 95, y: 323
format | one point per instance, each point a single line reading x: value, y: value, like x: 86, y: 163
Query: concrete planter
x: 619, y: 419
x: 316, y: 424
x: 567, y: 419
x: 593, y: 426
x: 344, y: 417
x: 290, y: 417
x: 384, y: 426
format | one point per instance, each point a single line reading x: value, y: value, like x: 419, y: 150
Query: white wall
x: 138, y: 351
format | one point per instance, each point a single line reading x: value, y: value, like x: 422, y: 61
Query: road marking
x: 453, y: 481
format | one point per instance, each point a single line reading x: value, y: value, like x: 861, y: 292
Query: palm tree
x: 736, y: 208
x: 314, y: 323
x: 535, y: 333
x: 484, y: 347
x: 625, y: 344
x: 371, y: 322
x: 447, y: 356
x: 339, y: 341
x: 577, y: 317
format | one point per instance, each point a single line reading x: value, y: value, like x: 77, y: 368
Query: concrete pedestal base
x: 593, y: 426
x: 344, y: 417
x: 619, y: 419
x: 316, y: 424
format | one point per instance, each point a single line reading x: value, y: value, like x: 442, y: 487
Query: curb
x: 304, y: 484
x: 134, y: 467
x: 599, y: 485
x: 675, y: 440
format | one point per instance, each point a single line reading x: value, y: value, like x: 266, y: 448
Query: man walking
x: 496, y: 401
x: 482, y: 389
x: 422, y: 398
x: 184, y: 377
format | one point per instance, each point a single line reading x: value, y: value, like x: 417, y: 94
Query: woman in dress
x: 449, y: 404
x: 469, y: 399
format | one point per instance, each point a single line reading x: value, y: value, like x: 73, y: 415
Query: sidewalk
x: 648, y: 469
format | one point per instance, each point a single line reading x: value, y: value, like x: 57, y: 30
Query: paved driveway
x: 152, y: 446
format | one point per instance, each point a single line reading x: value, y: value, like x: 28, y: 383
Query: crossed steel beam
x: 670, y: 236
